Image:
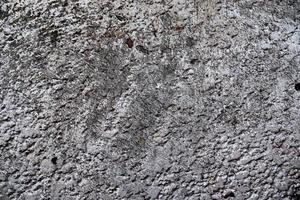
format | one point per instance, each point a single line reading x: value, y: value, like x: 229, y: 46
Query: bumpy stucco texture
x: 149, y: 99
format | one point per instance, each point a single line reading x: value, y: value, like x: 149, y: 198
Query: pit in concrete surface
x: 54, y: 160
x: 229, y: 194
x: 297, y: 86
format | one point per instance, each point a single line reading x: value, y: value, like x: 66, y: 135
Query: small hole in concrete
x: 297, y: 86
x: 129, y: 42
x: 229, y: 194
x: 296, y: 197
x: 54, y: 160
x: 193, y: 61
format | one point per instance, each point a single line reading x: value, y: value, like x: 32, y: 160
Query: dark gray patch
x: 142, y: 49
x: 190, y: 41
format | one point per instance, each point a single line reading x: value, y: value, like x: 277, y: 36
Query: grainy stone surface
x: 149, y: 99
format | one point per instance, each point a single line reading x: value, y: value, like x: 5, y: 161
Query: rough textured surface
x: 149, y: 99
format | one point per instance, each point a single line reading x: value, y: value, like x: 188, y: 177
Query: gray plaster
x: 149, y: 99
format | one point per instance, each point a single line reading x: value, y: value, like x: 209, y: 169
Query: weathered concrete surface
x: 149, y: 99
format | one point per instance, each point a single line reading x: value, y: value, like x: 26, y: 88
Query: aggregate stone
x: 149, y: 99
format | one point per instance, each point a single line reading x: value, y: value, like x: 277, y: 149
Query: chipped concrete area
x: 149, y: 99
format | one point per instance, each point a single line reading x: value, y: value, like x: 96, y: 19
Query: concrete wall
x: 149, y: 99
